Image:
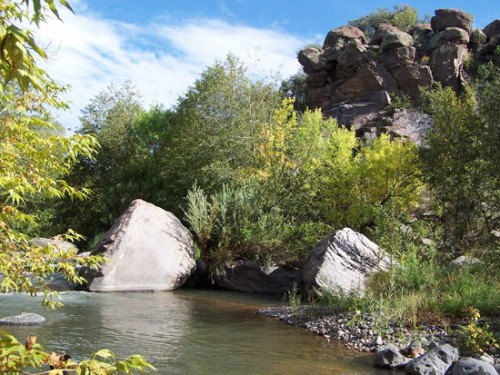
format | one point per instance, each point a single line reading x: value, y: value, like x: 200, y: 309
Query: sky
x: 162, y: 46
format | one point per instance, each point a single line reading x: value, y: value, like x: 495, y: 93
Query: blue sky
x: 162, y: 46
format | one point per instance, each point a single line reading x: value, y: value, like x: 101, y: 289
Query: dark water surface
x: 185, y: 332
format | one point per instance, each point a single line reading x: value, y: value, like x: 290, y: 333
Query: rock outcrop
x: 24, y: 319
x: 251, y: 277
x: 148, y: 249
x: 356, y: 81
x: 343, y: 260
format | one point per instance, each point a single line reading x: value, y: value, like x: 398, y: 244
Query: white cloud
x: 89, y: 52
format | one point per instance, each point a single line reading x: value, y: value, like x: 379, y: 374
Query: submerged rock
x: 24, y: 319
x: 148, y: 249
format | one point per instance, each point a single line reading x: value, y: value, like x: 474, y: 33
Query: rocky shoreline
x: 366, y: 333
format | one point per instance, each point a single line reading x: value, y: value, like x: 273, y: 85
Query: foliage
x: 402, y: 16
x: 476, y: 338
x: 18, y: 358
x: 34, y: 161
x: 310, y: 175
x: 19, y: 47
x: 461, y: 166
x: 108, y: 118
x: 232, y: 224
x: 295, y: 87
x: 293, y: 298
x: 34, y: 157
x: 218, y: 122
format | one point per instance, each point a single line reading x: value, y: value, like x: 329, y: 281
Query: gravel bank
x: 361, y: 331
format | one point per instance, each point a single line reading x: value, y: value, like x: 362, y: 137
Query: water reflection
x: 186, y: 332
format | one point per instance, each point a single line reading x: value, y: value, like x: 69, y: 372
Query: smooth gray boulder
x: 343, y: 261
x: 435, y: 362
x: 148, y: 249
x: 24, y: 319
x: 251, y: 277
x: 390, y: 357
x: 472, y: 366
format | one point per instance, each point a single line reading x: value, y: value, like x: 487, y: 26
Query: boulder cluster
x: 352, y: 79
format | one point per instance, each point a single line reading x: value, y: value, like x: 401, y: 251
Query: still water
x: 185, y: 332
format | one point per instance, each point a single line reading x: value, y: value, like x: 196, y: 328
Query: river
x: 185, y: 332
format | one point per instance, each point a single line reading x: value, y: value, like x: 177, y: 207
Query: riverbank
x: 365, y: 333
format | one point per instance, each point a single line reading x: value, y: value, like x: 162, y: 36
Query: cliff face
x: 355, y: 80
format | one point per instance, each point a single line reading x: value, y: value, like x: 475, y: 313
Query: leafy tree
x: 295, y: 87
x: 402, y: 16
x: 310, y: 176
x: 218, y: 121
x: 108, y: 118
x: 34, y: 161
x: 461, y: 159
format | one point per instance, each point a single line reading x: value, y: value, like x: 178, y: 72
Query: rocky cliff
x: 356, y: 80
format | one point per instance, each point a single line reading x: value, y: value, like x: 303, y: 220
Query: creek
x: 185, y: 332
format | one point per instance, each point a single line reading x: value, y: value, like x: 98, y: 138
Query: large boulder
x: 451, y: 18
x: 436, y: 361
x: 343, y: 260
x: 397, y: 57
x: 447, y: 62
x: 411, y: 79
x: 396, y: 39
x: 450, y: 35
x: 353, y: 54
x: 382, y: 30
x: 492, y: 30
x: 311, y: 59
x: 24, y: 319
x: 472, y: 366
x: 342, y: 35
x: 251, y: 277
x: 148, y: 249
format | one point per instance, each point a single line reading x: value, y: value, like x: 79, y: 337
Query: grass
x: 421, y: 291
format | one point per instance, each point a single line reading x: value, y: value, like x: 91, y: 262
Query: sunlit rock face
x: 350, y: 78
x: 342, y: 261
x: 148, y: 249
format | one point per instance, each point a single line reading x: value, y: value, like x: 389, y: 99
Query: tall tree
x: 218, y: 121
x: 34, y: 158
x: 461, y: 157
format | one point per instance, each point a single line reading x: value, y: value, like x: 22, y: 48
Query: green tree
x: 461, y: 158
x: 310, y: 176
x: 402, y: 16
x: 34, y: 157
x: 34, y: 162
x: 218, y: 121
x: 109, y: 118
